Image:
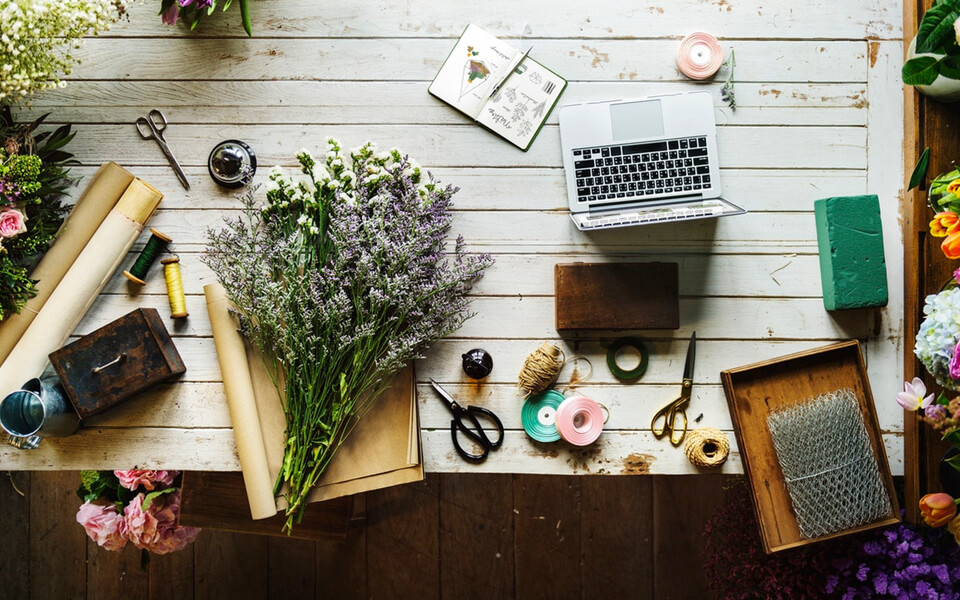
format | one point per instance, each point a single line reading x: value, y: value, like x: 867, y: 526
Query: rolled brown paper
x: 80, y: 286
x: 95, y: 203
x: 238, y: 388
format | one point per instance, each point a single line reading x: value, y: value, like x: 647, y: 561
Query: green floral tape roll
x: 634, y: 373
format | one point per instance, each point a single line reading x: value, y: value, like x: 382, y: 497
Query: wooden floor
x: 452, y: 536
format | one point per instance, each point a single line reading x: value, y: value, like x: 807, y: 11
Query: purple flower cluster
x: 902, y: 561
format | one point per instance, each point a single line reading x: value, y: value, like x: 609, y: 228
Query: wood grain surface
x: 817, y: 87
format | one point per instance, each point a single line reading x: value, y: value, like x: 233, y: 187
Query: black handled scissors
x: 472, y: 428
x: 675, y: 413
x: 151, y: 128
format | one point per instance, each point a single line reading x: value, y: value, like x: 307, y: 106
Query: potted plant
x: 933, y: 64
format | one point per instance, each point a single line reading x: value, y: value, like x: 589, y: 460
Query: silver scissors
x: 151, y: 128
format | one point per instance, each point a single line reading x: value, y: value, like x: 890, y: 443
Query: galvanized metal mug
x: 40, y: 409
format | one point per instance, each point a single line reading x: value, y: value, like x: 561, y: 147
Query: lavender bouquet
x: 341, y: 279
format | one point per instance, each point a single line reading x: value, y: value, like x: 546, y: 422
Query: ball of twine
x: 707, y: 447
x: 540, y: 369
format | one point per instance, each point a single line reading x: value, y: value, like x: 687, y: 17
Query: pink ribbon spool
x: 700, y: 56
x: 579, y: 420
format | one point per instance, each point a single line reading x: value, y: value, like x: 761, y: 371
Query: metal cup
x: 40, y: 409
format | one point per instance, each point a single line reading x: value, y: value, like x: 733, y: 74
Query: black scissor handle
x: 475, y: 431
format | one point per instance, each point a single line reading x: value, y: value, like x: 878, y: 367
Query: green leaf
x: 922, y: 70
x: 950, y: 67
x: 245, y: 15
x: 920, y: 171
x: 149, y: 498
x: 954, y: 461
x: 942, y: 399
x: 946, y: 199
x: 936, y: 27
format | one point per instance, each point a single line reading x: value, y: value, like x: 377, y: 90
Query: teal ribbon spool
x: 539, y: 416
x: 155, y: 246
x: 634, y: 373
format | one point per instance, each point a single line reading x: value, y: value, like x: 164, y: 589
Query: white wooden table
x: 820, y: 114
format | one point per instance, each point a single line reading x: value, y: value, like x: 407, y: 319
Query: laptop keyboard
x: 650, y: 169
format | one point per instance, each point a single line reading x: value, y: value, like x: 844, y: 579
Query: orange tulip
x: 951, y: 246
x: 944, y: 224
x: 954, y: 186
x: 938, y: 509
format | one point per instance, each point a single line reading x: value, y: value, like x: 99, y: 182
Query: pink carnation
x: 955, y: 363
x: 102, y: 523
x: 134, y: 478
x: 12, y: 223
x: 155, y: 529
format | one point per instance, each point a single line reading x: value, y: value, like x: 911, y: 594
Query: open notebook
x: 497, y: 86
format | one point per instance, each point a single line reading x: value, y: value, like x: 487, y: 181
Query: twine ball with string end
x: 706, y: 447
x: 540, y: 369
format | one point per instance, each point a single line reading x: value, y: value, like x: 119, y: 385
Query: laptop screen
x: 636, y: 120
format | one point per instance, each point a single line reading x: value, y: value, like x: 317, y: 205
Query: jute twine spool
x: 706, y: 447
x: 540, y: 369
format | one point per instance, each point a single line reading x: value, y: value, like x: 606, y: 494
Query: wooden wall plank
x: 342, y: 566
x: 548, y: 536
x: 605, y: 18
x: 402, y: 537
x: 477, y: 528
x: 15, y: 548
x: 230, y: 565
x: 681, y: 507
x: 58, y: 544
x: 172, y: 575
x: 113, y: 575
x: 293, y: 568
x: 616, y: 515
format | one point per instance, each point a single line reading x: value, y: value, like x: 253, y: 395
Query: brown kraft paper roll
x: 95, y: 203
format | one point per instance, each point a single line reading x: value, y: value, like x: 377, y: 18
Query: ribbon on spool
x: 707, y: 447
x: 539, y: 416
x: 580, y: 420
x: 699, y: 56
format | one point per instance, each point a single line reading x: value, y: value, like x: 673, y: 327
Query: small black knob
x: 477, y: 363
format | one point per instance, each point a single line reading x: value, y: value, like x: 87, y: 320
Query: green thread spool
x: 155, y: 246
x: 616, y: 369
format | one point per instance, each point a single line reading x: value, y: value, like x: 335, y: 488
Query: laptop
x: 642, y: 161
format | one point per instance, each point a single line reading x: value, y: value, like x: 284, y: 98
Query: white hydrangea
x: 938, y: 335
x: 38, y: 36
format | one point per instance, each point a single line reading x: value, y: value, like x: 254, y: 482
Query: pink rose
x: 134, y: 478
x: 155, y: 529
x: 102, y: 524
x: 12, y: 223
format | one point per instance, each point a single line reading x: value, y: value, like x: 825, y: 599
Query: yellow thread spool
x: 171, y: 274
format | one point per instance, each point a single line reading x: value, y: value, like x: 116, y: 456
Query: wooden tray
x: 754, y: 391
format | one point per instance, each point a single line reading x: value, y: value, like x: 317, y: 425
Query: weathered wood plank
x: 548, y: 536
x: 466, y: 145
x: 115, y: 574
x: 15, y: 549
x: 477, y: 527
x: 606, y: 18
x: 292, y: 569
x: 220, y: 552
x: 616, y: 519
x: 420, y: 59
x: 172, y: 575
x: 342, y: 566
x: 403, y: 559
x: 681, y: 506
x: 509, y: 188
x: 331, y: 102
x: 58, y: 544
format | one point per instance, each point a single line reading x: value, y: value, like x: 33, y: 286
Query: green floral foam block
x: 850, y: 237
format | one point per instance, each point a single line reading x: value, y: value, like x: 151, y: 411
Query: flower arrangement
x: 901, y: 561
x: 944, y: 199
x: 38, y: 36
x: 33, y: 179
x: 192, y: 11
x: 938, y: 52
x: 339, y: 280
x: 937, y: 339
x: 136, y: 506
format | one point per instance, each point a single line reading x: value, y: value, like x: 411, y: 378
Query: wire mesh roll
x: 828, y: 463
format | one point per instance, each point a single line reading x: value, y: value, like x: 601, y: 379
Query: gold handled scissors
x: 672, y: 418
x: 151, y: 128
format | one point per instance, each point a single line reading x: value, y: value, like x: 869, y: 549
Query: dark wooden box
x: 756, y: 390
x: 617, y: 296
x: 117, y: 361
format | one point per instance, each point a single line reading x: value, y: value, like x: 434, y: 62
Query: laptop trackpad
x: 636, y: 120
